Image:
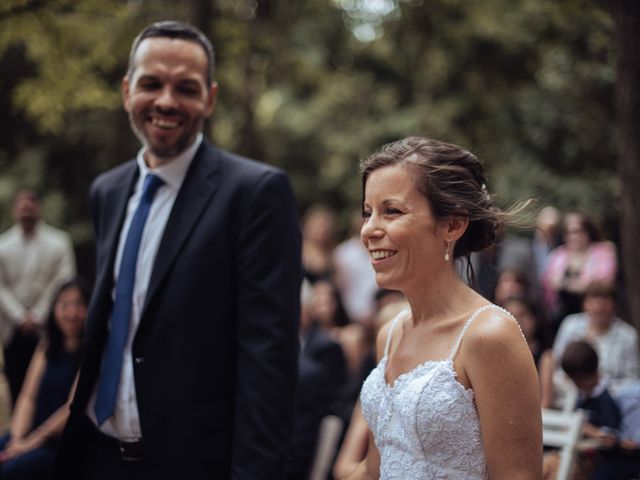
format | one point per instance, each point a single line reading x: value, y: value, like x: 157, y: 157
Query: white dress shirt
x: 617, y: 349
x: 31, y: 271
x: 125, y: 423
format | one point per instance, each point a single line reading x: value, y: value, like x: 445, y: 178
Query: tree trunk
x: 627, y: 17
x: 202, y: 16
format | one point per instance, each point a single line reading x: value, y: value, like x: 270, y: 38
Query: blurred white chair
x: 562, y: 430
x: 565, y: 393
x: 326, y: 448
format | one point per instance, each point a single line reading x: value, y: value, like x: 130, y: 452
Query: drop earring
x: 446, y: 253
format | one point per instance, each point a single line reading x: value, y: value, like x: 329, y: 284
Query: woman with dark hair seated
x: 534, y: 325
x: 28, y: 450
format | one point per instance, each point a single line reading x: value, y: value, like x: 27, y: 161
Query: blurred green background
x: 315, y: 85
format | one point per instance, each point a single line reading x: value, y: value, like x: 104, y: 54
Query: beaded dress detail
x: 426, y: 425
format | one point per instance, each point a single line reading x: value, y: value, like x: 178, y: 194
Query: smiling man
x: 191, y: 341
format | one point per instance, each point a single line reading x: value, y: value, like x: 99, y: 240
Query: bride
x: 455, y: 393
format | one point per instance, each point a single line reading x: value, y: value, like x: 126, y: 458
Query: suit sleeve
x: 269, y: 276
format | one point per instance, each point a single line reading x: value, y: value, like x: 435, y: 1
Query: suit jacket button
x: 139, y: 360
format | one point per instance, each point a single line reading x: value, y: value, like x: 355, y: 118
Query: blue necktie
x: 121, y: 315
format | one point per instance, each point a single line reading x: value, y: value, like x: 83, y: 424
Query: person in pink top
x: 583, y: 258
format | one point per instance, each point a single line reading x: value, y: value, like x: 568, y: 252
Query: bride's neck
x: 443, y: 296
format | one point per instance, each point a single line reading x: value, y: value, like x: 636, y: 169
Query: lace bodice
x: 426, y: 425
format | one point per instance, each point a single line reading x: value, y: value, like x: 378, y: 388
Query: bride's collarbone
x: 420, y: 345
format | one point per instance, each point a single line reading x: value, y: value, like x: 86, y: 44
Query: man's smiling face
x: 167, y: 95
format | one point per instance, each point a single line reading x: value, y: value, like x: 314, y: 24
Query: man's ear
x: 124, y: 90
x: 211, y: 101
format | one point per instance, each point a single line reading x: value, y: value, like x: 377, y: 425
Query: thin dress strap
x: 473, y: 316
x: 390, y: 332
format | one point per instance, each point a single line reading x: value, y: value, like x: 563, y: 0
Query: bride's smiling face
x: 405, y: 242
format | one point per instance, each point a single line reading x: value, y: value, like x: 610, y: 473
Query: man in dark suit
x: 192, y: 334
x: 321, y: 380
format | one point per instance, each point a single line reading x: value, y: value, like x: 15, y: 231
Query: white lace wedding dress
x: 426, y: 425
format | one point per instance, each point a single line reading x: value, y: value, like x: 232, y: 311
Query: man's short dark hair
x: 179, y: 30
x: 30, y: 191
x: 579, y: 359
x: 601, y: 288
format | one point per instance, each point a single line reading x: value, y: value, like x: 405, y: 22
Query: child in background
x: 623, y: 460
x: 580, y: 363
x: 614, y: 421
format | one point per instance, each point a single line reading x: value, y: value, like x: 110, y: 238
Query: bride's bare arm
x: 354, y: 447
x: 500, y: 369
x: 369, y: 468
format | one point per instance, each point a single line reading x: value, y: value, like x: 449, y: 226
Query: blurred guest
x: 623, y: 461
x: 28, y: 450
x: 354, y: 447
x: 354, y: 276
x: 327, y: 310
x: 484, y: 267
x: 615, y: 341
x: 328, y: 314
x: 312, y: 405
x: 35, y: 259
x: 532, y: 323
x: 389, y: 303
x: 546, y: 237
x: 318, y: 242
x: 535, y: 330
x: 582, y: 259
x: 628, y: 398
x: 607, y: 423
x: 511, y: 282
x: 321, y: 378
x: 515, y: 253
x: 319, y: 342
x: 580, y: 363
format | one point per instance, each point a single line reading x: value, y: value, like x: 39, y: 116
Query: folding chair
x: 562, y: 430
x: 565, y: 393
x: 327, y: 446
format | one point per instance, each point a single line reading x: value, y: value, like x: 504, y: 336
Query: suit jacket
x: 28, y: 285
x: 215, y: 353
x: 321, y: 379
x: 320, y: 347
x: 312, y: 405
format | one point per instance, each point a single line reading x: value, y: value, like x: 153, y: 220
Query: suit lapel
x: 112, y: 211
x: 116, y: 200
x: 198, y: 187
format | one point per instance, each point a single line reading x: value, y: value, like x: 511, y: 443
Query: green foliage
x: 525, y: 84
x: 71, y: 46
x: 26, y: 171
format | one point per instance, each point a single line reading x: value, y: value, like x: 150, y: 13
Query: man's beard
x: 169, y: 151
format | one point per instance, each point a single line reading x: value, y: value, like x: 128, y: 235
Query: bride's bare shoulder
x: 494, y: 332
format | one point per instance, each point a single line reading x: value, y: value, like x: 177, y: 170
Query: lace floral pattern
x: 426, y: 425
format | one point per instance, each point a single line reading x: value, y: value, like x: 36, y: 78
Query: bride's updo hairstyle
x: 452, y: 180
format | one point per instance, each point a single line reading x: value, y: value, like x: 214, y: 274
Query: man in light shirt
x: 35, y: 259
x: 206, y: 358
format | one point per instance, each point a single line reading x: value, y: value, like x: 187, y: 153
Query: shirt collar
x: 173, y: 171
x: 598, y: 390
